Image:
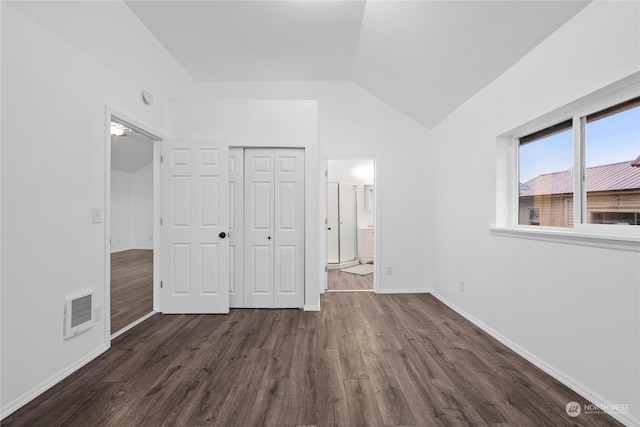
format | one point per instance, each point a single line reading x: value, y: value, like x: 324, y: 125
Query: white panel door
x: 258, y: 228
x: 289, y: 228
x: 333, y: 224
x: 195, y: 256
x: 236, y: 229
x: 274, y: 228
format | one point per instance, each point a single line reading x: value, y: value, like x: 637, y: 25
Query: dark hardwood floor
x: 339, y: 281
x: 364, y: 360
x: 131, y: 286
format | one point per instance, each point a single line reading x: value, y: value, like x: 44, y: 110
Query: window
x: 545, y: 161
x: 612, y: 148
x: 584, y: 170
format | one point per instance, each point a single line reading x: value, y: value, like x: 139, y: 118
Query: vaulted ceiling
x: 425, y: 58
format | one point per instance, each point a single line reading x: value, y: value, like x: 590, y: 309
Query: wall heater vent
x: 78, y: 313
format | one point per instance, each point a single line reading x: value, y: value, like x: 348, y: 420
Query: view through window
x: 546, y: 183
x: 612, y: 141
x: 612, y: 170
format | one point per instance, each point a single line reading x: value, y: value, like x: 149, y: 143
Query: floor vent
x: 78, y: 314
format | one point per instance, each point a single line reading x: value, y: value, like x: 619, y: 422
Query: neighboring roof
x: 636, y: 162
x: 616, y: 176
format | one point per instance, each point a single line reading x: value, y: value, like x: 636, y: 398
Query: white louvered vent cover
x: 78, y: 314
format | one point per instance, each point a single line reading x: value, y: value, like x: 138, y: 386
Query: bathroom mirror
x: 368, y: 198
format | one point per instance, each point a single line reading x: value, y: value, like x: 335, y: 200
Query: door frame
x: 324, y: 207
x: 157, y: 137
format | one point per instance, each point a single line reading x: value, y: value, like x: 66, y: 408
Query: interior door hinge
x: 326, y: 268
x: 161, y: 284
x: 161, y: 159
x: 326, y: 173
x: 161, y: 222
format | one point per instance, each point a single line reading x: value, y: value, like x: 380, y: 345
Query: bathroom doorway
x: 350, y: 224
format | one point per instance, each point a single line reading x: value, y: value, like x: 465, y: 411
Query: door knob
x: 269, y: 237
x: 222, y: 235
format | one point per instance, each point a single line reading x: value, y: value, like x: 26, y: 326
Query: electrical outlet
x: 461, y: 285
x: 389, y: 270
x: 97, y: 313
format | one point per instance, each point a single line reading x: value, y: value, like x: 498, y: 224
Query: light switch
x: 97, y: 312
x: 96, y: 215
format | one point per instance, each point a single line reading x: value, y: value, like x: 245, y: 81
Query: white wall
x: 54, y: 147
x: 573, y: 309
x: 352, y: 122
x: 121, y: 211
x: 132, y: 209
x: 142, y: 207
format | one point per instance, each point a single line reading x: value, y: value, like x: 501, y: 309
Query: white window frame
x: 601, y: 235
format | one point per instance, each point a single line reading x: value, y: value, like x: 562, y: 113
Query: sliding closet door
x: 274, y: 228
x: 289, y: 228
x: 236, y: 229
x: 259, y: 228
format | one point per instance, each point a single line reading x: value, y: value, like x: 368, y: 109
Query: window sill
x: 622, y: 243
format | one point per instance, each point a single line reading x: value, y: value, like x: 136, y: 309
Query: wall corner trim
x: 311, y: 307
x: 27, y: 397
x: 548, y: 369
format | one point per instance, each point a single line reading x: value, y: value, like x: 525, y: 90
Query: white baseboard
x: 550, y: 370
x: 311, y: 308
x: 27, y: 397
x: 131, y: 325
x: 404, y: 291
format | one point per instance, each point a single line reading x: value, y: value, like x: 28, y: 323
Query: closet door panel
x: 258, y: 228
x: 261, y: 260
x: 289, y: 228
x: 236, y: 229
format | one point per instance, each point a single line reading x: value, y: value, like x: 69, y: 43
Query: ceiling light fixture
x: 364, y: 172
x: 119, y: 130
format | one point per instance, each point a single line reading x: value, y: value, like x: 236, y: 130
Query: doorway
x: 131, y: 213
x: 350, y: 224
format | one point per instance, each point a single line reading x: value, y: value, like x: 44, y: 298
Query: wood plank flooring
x: 339, y: 281
x: 364, y: 360
x: 131, y: 286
